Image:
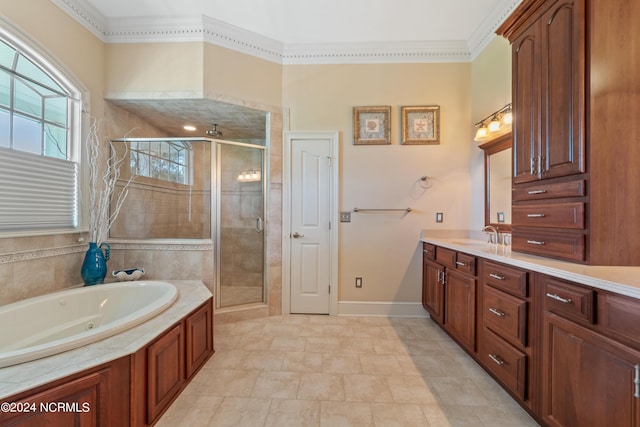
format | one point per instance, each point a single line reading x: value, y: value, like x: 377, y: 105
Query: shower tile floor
x: 303, y: 370
x: 239, y: 295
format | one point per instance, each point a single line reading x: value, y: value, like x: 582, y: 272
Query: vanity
x: 562, y: 338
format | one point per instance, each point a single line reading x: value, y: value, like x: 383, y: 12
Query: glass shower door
x: 241, y: 236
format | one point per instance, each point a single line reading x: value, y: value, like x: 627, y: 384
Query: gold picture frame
x: 372, y: 125
x: 421, y: 125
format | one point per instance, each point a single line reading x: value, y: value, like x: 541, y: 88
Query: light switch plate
x: 439, y: 217
x: 345, y: 216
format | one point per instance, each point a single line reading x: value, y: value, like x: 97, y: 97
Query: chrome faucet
x: 490, y: 229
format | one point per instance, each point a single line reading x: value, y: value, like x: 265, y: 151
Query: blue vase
x: 94, y: 266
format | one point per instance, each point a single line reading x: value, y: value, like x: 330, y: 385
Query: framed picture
x: 421, y: 125
x: 371, y: 125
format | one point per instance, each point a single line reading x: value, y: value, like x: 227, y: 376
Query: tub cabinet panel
x: 166, y: 370
x: 164, y: 367
x: 199, y: 338
x: 99, y: 396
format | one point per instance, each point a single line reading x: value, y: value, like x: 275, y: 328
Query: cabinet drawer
x: 466, y: 264
x: 509, y: 279
x: 568, y: 300
x: 429, y: 251
x: 620, y: 317
x: 505, y: 314
x: 446, y: 257
x: 558, y: 215
x: 507, y: 363
x: 558, y: 245
x: 549, y: 191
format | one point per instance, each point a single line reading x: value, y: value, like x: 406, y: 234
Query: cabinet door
x: 562, y: 82
x: 433, y: 290
x: 526, y: 101
x: 460, y: 308
x: 166, y: 371
x: 199, y: 328
x: 588, y: 380
x: 98, y: 398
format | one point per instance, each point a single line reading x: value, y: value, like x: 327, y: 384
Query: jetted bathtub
x: 61, y: 321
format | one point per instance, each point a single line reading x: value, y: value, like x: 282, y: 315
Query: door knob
x: 297, y: 235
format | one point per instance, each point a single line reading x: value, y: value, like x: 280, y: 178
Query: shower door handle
x: 259, y: 225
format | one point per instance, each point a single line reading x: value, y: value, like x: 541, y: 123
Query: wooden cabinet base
x: 131, y: 391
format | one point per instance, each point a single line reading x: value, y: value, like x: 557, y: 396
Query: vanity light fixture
x: 493, y: 123
x: 252, y: 175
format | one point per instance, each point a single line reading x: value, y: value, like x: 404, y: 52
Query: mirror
x: 497, y: 172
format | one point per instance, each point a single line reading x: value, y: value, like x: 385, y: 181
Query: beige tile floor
x: 340, y: 371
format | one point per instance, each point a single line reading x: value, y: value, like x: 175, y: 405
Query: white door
x: 310, y: 225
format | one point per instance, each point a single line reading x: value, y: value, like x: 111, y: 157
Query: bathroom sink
x: 469, y: 243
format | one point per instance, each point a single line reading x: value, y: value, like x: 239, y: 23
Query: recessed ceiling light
x: 190, y: 128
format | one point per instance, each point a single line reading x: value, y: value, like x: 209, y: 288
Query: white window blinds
x: 37, y: 192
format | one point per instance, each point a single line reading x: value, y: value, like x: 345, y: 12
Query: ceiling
x: 289, y: 30
x: 326, y: 21
x: 234, y: 121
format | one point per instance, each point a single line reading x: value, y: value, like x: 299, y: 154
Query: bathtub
x: 61, y: 321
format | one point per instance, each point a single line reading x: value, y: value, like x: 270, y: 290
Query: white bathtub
x: 57, y: 322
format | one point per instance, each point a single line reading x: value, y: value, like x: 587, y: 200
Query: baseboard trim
x: 386, y: 309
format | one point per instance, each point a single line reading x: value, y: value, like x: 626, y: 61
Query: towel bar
x: 382, y: 210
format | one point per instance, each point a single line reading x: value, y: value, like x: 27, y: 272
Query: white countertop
x: 621, y: 280
x: 18, y: 378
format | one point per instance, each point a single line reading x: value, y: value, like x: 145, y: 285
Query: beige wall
x: 155, y: 70
x: 490, y: 91
x: 383, y: 248
x: 241, y: 78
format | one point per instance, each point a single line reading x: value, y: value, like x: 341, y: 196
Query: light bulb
x: 481, y: 134
x: 507, y: 119
x: 494, y: 125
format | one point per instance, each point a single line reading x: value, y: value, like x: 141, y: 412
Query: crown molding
x: 210, y: 30
x: 376, y: 52
x: 483, y: 35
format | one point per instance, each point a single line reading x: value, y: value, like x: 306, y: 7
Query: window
x: 39, y: 134
x: 165, y: 160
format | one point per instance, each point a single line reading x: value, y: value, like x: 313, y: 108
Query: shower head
x: 215, y: 133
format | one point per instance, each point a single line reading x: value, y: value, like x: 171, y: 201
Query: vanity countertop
x: 25, y: 376
x: 622, y: 280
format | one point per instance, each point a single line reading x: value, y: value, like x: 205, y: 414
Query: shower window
x: 165, y: 160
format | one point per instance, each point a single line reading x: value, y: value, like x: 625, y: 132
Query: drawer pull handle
x: 495, y: 276
x: 535, y: 242
x: 496, y: 312
x: 461, y: 264
x: 559, y: 298
x: 535, y: 215
x: 537, y: 191
x: 496, y: 359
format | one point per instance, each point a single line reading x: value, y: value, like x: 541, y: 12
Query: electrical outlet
x: 358, y: 282
x: 439, y: 217
x: 345, y: 216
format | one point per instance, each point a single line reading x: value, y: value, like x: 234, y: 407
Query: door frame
x: 334, y: 142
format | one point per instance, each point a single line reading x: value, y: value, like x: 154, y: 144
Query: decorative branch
x: 102, y: 187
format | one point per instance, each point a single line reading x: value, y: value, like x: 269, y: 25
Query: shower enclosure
x: 240, y: 224
x: 195, y: 188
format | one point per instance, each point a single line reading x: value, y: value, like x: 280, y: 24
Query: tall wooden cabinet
x: 576, y: 134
